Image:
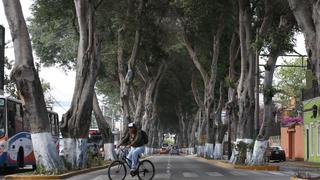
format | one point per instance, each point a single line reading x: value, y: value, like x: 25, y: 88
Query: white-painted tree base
x: 200, y: 151
x: 218, y: 151
x: 75, y: 152
x: 109, y: 153
x: 46, y: 153
x: 191, y: 150
x: 209, y: 150
x: 258, y: 155
x: 235, y: 153
x: 148, y: 151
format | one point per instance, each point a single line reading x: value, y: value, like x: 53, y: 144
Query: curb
x: 62, y: 176
x: 232, y: 166
x: 259, y: 168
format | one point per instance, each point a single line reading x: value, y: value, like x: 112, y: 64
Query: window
x: 15, y: 121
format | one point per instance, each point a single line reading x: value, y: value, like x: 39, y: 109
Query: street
x: 181, y: 168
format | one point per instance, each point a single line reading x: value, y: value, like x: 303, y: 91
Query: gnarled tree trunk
x: 105, y: 129
x: 308, y: 17
x: 76, y: 121
x: 284, y: 30
x: 221, y: 126
x: 245, y: 88
x: 30, y: 90
x: 209, y: 81
x: 126, y: 76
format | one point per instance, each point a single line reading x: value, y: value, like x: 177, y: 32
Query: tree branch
x: 194, y: 58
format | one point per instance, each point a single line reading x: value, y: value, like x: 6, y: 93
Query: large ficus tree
x: 198, y: 28
x: 307, y: 16
x: 29, y: 88
x: 76, y: 121
x: 277, y: 40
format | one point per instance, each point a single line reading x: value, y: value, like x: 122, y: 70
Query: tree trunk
x: 152, y: 89
x: 245, y: 88
x: 221, y: 126
x: 308, y: 17
x: 209, y: 81
x: 105, y: 129
x: 126, y: 76
x: 30, y: 90
x: 284, y: 28
x: 76, y: 121
x: 140, y: 107
x: 231, y: 106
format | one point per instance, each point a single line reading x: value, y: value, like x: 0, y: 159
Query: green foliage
x: 94, y: 161
x: 53, y: 32
x: 168, y: 141
x: 290, y: 80
x: 270, y: 92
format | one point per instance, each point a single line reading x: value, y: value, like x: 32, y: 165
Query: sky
x: 62, y: 83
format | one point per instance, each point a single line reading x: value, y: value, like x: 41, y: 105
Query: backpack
x: 144, y: 137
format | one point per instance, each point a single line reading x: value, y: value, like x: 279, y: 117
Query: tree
x: 277, y: 42
x: 29, y: 88
x: 126, y: 75
x: 307, y: 17
x: 76, y: 121
x: 105, y: 128
x: 290, y: 80
x: 192, y: 31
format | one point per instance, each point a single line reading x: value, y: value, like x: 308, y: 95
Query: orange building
x: 292, y: 141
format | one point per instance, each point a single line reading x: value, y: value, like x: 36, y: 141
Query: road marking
x: 277, y: 173
x: 239, y: 173
x: 102, y: 177
x: 162, y: 176
x: 259, y: 173
x: 130, y: 177
x: 214, y: 174
x: 189, y: 175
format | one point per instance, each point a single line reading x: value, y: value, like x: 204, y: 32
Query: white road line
x: 101, y: 177
x: 259, y: 173
x: 189, y: 175
x: 214, y: 174
x: 162, y: 176
x: 277, y: 173
x: 132, y: 178
x: 239, y: 173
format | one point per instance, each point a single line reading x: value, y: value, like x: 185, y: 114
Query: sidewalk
x: 298, y: 166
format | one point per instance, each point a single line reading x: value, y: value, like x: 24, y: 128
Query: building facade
x: 311, y: 129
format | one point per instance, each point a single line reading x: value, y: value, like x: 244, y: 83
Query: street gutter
x: 62, y: 176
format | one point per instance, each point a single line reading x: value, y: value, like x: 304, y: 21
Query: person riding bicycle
x: 135, y: 139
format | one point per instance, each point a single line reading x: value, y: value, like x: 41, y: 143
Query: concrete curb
x: 62, y: 176
x: 259, y: 168
x: 231, y: 166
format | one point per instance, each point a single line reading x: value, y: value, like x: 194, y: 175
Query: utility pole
x: 2, y: 46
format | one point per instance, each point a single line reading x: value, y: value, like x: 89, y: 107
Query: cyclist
x: 135, y: 140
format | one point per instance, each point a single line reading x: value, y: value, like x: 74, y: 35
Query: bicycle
x: 117, y: 169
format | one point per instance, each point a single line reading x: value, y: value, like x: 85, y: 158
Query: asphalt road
x: 182, y: 168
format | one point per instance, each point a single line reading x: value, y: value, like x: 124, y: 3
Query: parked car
x: 174, y: 150
x: 276, y: 153
x: 164, y: 149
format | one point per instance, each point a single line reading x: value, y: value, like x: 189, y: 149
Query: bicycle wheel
x: 117, y: 170
x: 146, y: 170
